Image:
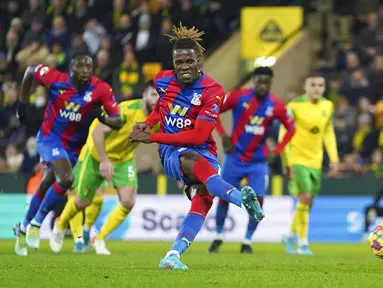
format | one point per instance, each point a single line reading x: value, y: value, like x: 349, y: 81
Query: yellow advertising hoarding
x: 264, y: 29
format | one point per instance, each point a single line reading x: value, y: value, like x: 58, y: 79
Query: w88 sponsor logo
x: 255, y: 129
x: 178, y: 122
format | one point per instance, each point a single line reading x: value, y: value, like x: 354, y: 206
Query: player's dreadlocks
x: 187, y: 38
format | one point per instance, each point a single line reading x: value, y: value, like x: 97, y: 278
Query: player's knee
x: 187, y: 162
x: 190, y: 156
x: 306, y: 198
x: 66, y: 181
x: 81, y: 204
x: 128, y: 203
x: 46, y: 183
x: 128, y: 198
x: 201, y: 204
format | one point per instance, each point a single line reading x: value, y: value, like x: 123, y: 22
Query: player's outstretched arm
x: 113, y: 120
x: 98, y: 135
x: 289, y: 131
x: 26, y: 87
x: 153, y: 119
x: 194, y: 137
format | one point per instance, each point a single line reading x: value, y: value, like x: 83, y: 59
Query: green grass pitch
x: 135, y: 264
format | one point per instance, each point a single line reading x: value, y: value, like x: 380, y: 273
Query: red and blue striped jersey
x: 180, y: 106
x: 70, y: 112
x: 252, y: 119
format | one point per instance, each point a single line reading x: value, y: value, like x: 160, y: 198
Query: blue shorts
x: 170, y: 160
x: 257, y: 174
x: 52, y: 151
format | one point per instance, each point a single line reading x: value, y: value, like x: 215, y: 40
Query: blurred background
x: 343, y: 39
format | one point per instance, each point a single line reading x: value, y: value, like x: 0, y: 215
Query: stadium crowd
x: 354, y: 69
x: 124, y: 37
x: 127, y: 43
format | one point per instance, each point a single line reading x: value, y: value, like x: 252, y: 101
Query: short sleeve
x: 108, y: 100
x: 212, y: 99
x: 45, y: 75
x: 285, y: 116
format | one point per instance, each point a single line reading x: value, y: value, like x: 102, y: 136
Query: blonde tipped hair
x: 184, y: 36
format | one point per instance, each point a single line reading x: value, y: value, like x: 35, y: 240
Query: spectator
x: 333, y: 90
x: 189, y: 14
x: 376, y: 76
x: 107, y: 44
x: 367, y: 36
x: 13, y: 11
x: 10, y: 107
x: 13, y: 132
x: 36, y: 33
x: 124, y: 33
x: 32, y: 13
x: 344, y: 123
x: 363, y: 129
x: 62, y: 59
x: 59, y: 33
x: 78, y: 20
x: 341, y: 55
x: 358, y: 87
x: 216, y: 22
x: 56, y: 9
x: 103, y: 69
x: 352, y: 63
x: 93, y: 35
x: 168, y: 10
x: 164, y: 46
x: 35, y: 111
x: 130, y: 76
x: 17, y: 26
x: 8, y: 83
x: 78, y: 45
x: 143, y: 40
x: 28, y: 26
x: 14, y: 158
x: 112, y: 19
x: 11, y: 49
x: 31, y: 158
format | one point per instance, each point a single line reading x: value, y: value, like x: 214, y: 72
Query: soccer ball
x: 375, y: 240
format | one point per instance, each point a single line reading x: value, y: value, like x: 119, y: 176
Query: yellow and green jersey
x: 117, y: 143
x: 314, y: 129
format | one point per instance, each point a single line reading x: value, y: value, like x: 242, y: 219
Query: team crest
x: 196, y: 99
x: 88, y: 96
x: 269, y: 111
x: 44, y: 70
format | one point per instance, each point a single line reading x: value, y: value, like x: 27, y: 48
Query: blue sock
x: 190, y: 227
x: 220, y: 188
x: 251, y: 227
x: 36, y: 200
x: 221, y: 215
x: 54, y: 195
